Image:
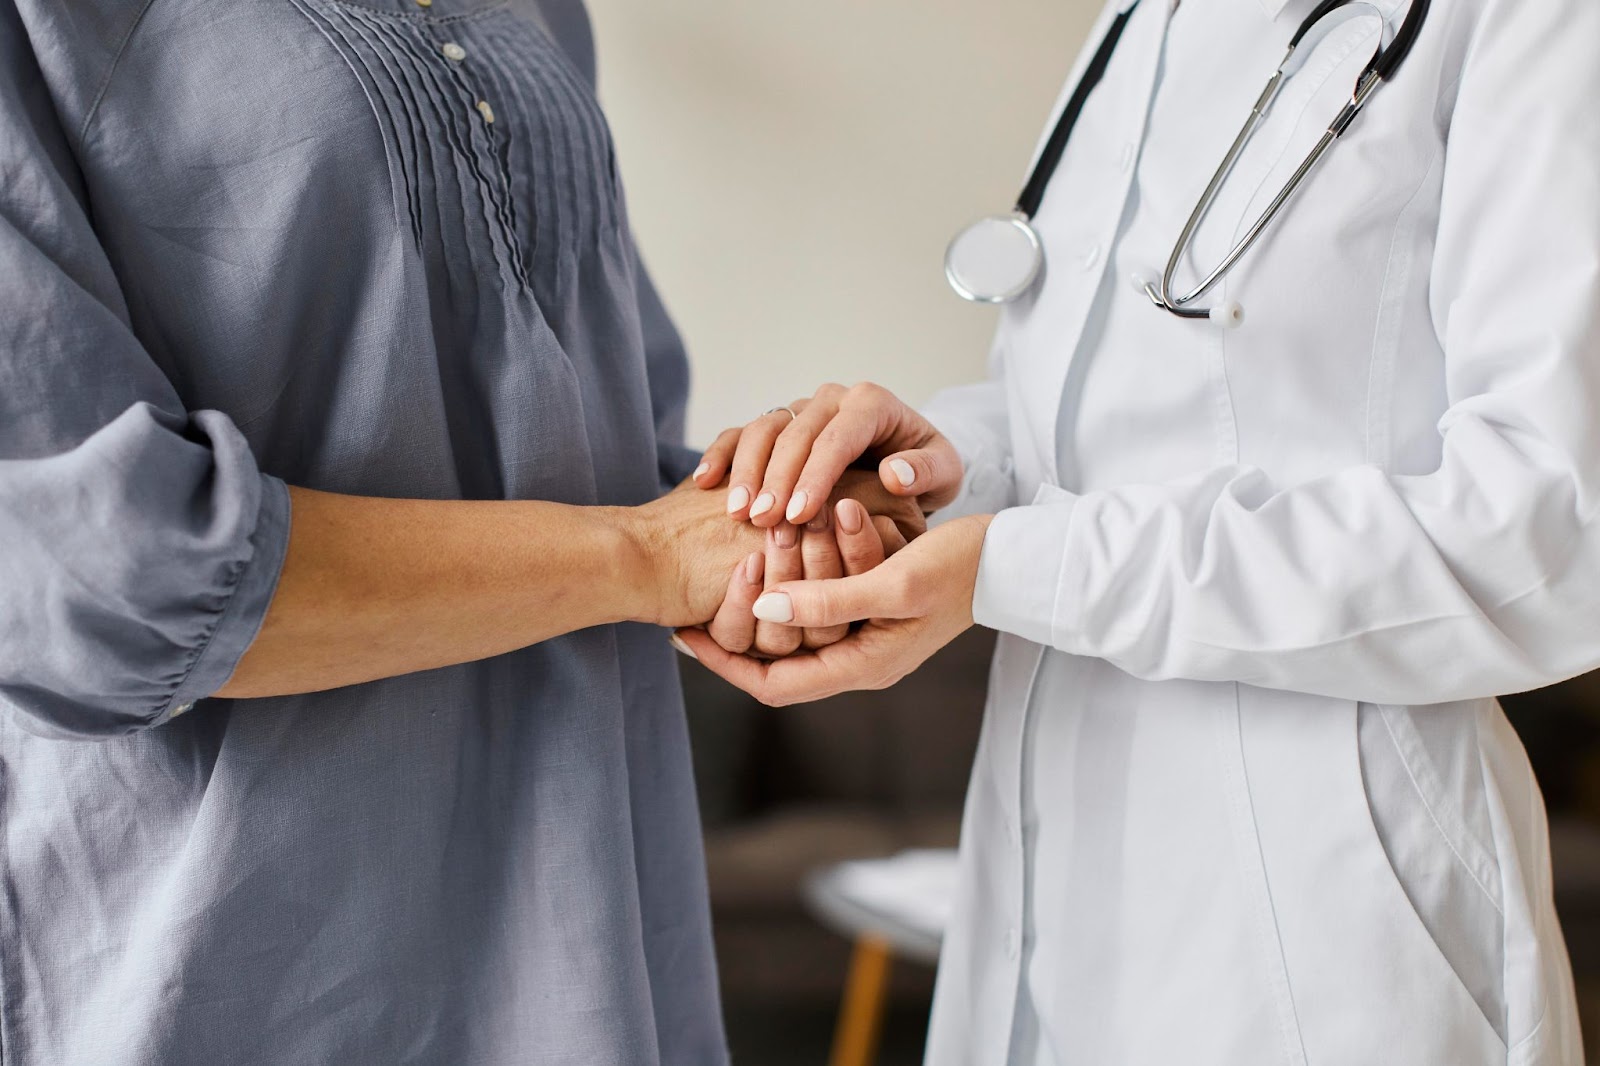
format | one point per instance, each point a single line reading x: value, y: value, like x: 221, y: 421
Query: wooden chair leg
x: 855, y: 1041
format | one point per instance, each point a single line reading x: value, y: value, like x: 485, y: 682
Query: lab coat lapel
x: 1143, y: 42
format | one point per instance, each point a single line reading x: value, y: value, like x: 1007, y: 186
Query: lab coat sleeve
x: 974, y: 418
x: 1480, y: 578
x: 139, y: 544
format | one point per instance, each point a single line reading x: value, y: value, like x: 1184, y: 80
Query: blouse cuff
x: 254, y: 583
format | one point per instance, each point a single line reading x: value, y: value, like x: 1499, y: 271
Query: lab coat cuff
x: 254, y: 583
x: 1012, y: 594
x: 985, y: 474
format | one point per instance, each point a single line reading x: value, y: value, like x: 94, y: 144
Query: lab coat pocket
x: 1370, y: 982
x: 1425, y: 793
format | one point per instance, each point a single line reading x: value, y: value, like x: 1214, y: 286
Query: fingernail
x: 819, y: 524
x: 753, y: 567
x: 787, y: 536
x: 903, y: 472
x: 700, y: 471
x: 850, y: 516
x: 763, y: 504
x: 797, y: 503
x: 774, y: 607
x: 677, y: 642
x: 738, y: 498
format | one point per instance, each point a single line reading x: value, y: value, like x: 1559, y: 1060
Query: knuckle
x: 869, y: 392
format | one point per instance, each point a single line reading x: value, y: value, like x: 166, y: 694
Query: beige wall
x: 795, y: 169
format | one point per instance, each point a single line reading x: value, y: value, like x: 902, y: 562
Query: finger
x: 789, y: 455
x: 932, y: 473
x: 750, y: 460
x: 820, y: 553
x: 734, y: 626
x: 860, y: 544
x: 784, y: 563
x: 797, y: 679
x: 890, y: 535
x: 881, y: 593
x: 860, y: 421
x: 717, y: 460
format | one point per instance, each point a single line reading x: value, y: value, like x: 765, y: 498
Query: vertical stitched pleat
x: 414, y: 143
x: 539, y: 181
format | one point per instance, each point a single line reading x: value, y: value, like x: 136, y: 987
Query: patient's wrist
x: 629, y: 567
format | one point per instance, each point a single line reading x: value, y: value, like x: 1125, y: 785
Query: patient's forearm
x: 374, y: 588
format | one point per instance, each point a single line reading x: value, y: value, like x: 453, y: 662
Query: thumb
x: 879, y: 593
x: 931, y: 473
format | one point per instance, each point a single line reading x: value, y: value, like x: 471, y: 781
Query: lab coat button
x: 454, y: 52
x: 1011, y: 944
x: 1130, y: 151
x: 1091, y: 257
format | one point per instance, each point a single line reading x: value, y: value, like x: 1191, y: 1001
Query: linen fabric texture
x: 244, y: 245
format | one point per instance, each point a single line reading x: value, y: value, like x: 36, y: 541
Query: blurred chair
x: 895, y: 908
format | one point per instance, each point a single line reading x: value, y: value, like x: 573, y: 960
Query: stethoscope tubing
x: 1385, y: 62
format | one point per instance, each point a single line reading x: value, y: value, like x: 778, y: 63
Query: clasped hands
x: 848, y: 590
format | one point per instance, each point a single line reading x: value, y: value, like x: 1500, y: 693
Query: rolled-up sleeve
x: 139, y: 543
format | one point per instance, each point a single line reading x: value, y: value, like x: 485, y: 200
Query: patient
x: 338, y: 420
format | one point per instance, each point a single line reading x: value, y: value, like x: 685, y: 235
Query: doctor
x: 1244, y: 794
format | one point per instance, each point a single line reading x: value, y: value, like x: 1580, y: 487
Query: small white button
x: 1130, y: 152
x: 181, y: 708
x: 454, y: 52
x: 424, y: 3
x: 485, y: 110
x: 1011, y: 944
x: 1091, y: 258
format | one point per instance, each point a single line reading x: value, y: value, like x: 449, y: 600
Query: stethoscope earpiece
x: 1229, y: 315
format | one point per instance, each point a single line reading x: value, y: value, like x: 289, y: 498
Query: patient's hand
x: 780, y: 468
x: 911, y: 606
x: 842, y: 541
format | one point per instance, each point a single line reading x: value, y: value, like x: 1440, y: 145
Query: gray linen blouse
x: 367, y: 246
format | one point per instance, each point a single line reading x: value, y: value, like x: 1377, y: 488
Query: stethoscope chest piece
x: 995, y: 260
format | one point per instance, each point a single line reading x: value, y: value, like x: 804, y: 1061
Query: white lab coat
x: 1244, y: 794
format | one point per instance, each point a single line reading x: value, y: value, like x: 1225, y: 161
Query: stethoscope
x: 999, y: 259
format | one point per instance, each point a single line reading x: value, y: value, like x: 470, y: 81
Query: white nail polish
x: 797, y: 503
x: 762, y: 505
x: 700, y: 470
x: 774, y: 607
x: 738, y: 498
x: 677, y: 642
x: 903, y: 472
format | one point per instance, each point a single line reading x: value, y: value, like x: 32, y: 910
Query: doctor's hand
x: 913, y: 605
x: 842, y: 541
x: 684, y: 547
x: 783, y: 468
